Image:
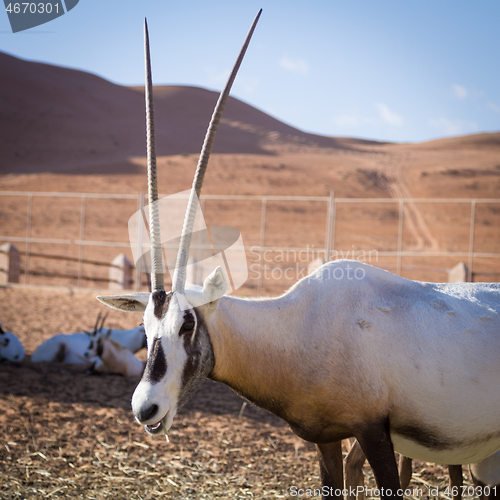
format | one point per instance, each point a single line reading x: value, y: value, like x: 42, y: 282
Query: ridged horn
x: 179, y: 280
x: 157, y: 284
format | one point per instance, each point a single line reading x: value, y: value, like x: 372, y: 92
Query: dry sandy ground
x: 65, y: 434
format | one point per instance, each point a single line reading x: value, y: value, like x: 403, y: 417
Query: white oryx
x: 350, y: 351
x: 111, y: 357
x: 11, y: 348
x: 71, y: 348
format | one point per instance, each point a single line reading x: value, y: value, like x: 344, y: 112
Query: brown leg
x: 405, y: 471
x: 377, y: 446
x: 354, y: 472
x: 331, y: 468
x: 456, y: 479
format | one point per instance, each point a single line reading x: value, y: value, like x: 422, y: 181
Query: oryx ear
x: 215, y: 286
x: 134, y: 302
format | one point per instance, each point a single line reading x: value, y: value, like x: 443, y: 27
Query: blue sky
x: 387, y: 70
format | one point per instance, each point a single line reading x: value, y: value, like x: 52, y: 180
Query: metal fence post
x: 28, y: 236
x: 82, y: 234
x: 400, y: 237
x: 262, y: 239
x: 330, y: 227
x: 471, y: 239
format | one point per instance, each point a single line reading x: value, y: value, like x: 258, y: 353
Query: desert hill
x: 55, y: 119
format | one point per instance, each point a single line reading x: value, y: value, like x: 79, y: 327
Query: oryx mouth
x: 159, y: 428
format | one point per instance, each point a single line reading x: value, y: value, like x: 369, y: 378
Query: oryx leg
x: 376, y: 444
x: 405, y: 471
x: 354, y: 477
x: 331, y: 468
x: 456, y: 479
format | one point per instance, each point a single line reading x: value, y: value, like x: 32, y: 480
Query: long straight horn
x: 157, y: 284
x: 96, y: 329
x: 179, y: 280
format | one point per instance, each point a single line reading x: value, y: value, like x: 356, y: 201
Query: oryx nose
x: 146, y: 413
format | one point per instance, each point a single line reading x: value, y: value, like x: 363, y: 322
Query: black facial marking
x: 99, y: 347
x: 156, y: 365
x: 200, y: 356
x: 188, y: 325
x: 160, y: 303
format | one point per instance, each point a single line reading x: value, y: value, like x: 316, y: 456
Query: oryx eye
x: 188, y: 325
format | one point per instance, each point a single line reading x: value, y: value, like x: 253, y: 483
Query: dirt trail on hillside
x: 392, y: 167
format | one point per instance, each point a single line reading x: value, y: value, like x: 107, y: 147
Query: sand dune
x: 55, y: 119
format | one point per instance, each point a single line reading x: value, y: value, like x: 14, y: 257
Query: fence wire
x: 331, y: 209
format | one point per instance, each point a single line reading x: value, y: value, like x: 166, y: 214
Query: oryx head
x: 4, y: 339
x: 11, y: 348
x: 96, y: 337
x: 180, y: 353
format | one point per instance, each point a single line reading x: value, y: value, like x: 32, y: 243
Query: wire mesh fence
x: 72, y: 239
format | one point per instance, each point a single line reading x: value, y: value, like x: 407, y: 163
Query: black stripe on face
x: 200, y: 357
x: 161, y: 301
x: 156, y: 365
x: 99, y: 347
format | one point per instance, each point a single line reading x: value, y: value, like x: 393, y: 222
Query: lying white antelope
x: 71, y: 347
x: 11, y: 348
x: 350, y: 351
x: 112, y: 357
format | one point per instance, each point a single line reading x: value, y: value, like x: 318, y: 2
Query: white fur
x: 115, y: 358
x: 169, y: 387
x: 11, y: 348
x: 76, y: 345
x: 488, y: 471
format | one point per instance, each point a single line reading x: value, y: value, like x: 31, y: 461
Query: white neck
x: 258, y: 348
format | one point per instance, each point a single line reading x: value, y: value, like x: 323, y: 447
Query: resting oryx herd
x: 103, y: 350
x: 397, y: 364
